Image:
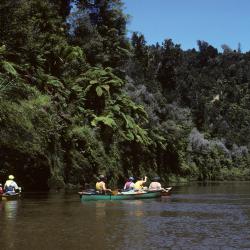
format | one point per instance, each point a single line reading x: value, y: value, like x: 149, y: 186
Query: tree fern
x: 107, y: 120
x: 9, y: 68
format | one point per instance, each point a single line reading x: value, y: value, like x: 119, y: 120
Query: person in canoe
x: 129, y: 185
x: 101, y: 186
x: 139, y: 183
x: 10, y: 186
x: 155, y: 184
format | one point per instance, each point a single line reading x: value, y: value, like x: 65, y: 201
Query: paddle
x: 108, y: 192
x: 115, y: 192
x: 166, y: 191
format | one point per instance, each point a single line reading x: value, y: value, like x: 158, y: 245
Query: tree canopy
x: 78, y: 98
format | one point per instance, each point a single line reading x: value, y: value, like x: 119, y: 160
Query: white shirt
x: 10, y: 183
x: 155, y: 185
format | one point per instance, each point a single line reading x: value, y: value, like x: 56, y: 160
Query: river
x: 195, y: 216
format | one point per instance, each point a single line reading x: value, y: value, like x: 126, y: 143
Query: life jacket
x: 127, y: 185
x: 9, y: 189
x: 99, y: 186
x: 139, y: 185
x: 9, y: 186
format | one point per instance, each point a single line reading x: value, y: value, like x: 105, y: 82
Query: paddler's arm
x: 106, y: 189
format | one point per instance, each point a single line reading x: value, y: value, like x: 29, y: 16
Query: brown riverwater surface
x: 196, y: 216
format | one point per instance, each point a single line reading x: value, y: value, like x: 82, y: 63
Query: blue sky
x: 186, y: 21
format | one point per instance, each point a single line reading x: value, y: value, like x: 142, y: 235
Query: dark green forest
x: 79, y: 98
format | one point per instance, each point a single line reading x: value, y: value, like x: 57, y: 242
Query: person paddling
x: 129, y: 185
x: 101, y: 186
x: 139, y: 184
x: 10, y: 186
x: 155, y: 184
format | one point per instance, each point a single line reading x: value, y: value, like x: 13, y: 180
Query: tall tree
x: 171, y: 58
x: 106, y: 27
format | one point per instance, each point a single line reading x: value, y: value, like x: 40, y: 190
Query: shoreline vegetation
x: 78, y: 98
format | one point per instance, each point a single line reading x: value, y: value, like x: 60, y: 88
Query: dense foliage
x: 79, y: 99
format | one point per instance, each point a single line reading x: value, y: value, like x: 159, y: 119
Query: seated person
x: 139, y: 184
x: 101, y: 186
x: 155, y: 184
x: 10, y: 186
x: 129, y: 185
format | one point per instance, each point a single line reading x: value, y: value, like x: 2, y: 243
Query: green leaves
x: 103, y: 78
x: 9, y: 68
x: 47, y: 80
x: 2, y: 49
x: 71, y: 53
x: 111, y: 107
x: 99, y: 91
x: 106, y: 120
x: 134, y: 132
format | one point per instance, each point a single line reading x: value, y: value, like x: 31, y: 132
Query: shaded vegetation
x: 79, y: 99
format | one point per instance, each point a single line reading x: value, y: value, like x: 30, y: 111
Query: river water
x: 195, y: 216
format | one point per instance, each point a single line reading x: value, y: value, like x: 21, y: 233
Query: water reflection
x: 8, y: 216
x: 136, y: 208
x: 194, y: 217
x: 1, y: 207
x: 10, y: 209
x: 100, y: 210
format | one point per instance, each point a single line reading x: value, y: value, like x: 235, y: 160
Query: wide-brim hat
x: 11, y: 177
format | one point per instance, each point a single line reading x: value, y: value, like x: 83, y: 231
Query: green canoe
x: 131, y: 196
